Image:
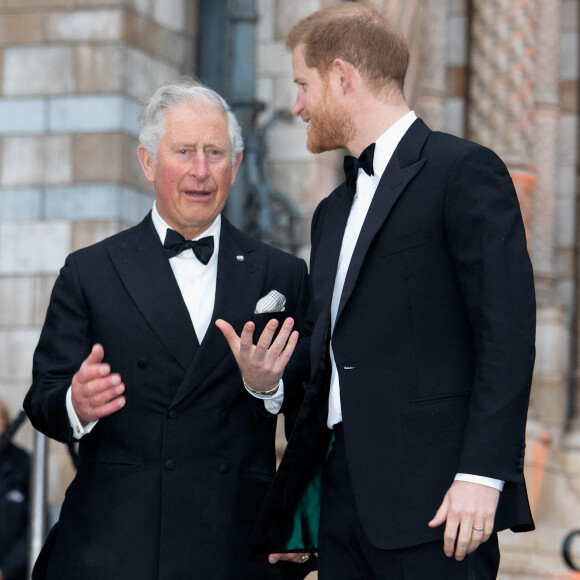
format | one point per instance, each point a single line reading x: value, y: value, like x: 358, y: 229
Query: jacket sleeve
x: 487, y: 242
x: 62, y: 347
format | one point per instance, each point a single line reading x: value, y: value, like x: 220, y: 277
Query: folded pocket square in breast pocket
x: 274, y: 301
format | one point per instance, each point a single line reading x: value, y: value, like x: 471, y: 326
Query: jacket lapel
x: 402, y: 168
x: 239, y: 281
x: 325, y: 261
x: 144, y: 269
x: 326, y: 245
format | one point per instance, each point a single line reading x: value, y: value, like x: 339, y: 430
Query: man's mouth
x: 197, y: 194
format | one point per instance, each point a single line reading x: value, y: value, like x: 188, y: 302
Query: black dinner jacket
x: 434, y: 346
x: 169, y: 486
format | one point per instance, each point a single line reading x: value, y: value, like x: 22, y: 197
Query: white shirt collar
x: 387, y: 143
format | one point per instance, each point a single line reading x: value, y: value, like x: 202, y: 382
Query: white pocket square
x: 272, y: 302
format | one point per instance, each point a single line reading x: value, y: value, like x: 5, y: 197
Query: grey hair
x: 187, y: 91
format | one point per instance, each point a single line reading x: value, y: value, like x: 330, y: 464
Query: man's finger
x: 464, y: 540
x: 450, y: 537
x: 265, y: 341
x: 96, y: 355
x: 247, y: 337
x: 229, y: 333
x: 441, y: 514
x: 297, y: 558
x: 281, y: 340
x: 285, y: 356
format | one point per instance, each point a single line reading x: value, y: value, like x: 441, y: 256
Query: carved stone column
x: 502, y: 79
x: 432, y: 66
x: 546, y: 143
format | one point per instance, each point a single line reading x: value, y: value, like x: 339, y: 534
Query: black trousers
x: 347, y: 554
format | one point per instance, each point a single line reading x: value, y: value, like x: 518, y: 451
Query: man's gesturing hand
x: 96, y: 392
x: 261, y: 365
x: 469, y: 510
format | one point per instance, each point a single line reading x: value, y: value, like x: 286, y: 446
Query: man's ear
x: 344, y: 73
x: 147, y: 163
x: 236, y: 166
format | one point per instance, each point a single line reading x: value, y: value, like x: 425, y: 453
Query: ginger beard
x: 331, y: 126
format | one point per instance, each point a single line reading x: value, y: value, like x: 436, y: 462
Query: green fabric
x: 303, y: 529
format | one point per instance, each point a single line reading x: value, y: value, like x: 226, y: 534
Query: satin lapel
x: 239, y: 280
x: 144, y: 269
x: 399, y: 172
x: 328, y: 251
x: 324, y: 264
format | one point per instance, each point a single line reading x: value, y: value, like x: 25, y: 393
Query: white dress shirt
x: 366, y: 186
x: 197, y: 283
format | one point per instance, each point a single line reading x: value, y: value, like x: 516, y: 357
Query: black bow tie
x: 175, y: 243
x: 352, y: 165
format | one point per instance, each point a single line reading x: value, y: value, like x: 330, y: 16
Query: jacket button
x: 223, y: 416
x: 224, y: 468
x: 172, y: 413
x: 170, y: 465
x: 142, y: 363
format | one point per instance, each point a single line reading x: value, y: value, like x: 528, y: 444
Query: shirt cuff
x: 78, y: 430
x: 488, y: 481
x: 272, y: 403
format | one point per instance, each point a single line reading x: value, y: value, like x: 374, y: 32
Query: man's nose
x: 298, y: 107
x: 199, y: 166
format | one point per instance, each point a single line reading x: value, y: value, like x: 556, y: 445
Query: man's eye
x: 183, y: 151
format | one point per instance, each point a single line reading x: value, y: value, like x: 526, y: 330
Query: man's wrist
x: 267, y: 393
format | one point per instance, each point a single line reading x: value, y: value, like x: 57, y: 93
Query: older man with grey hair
x: 176, y: 449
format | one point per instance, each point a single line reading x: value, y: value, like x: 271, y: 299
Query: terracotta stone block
x: 20, y: 28
x: 569, y: 96
x: 97, y: 157
x: 33, y: 4
x: 99, y: 68
x: 456, y: 81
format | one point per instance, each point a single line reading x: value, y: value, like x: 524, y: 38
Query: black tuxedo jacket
x: 168, y: 487
x: 434, y: 346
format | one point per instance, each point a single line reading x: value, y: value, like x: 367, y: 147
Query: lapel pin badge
x: 240, y: 258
